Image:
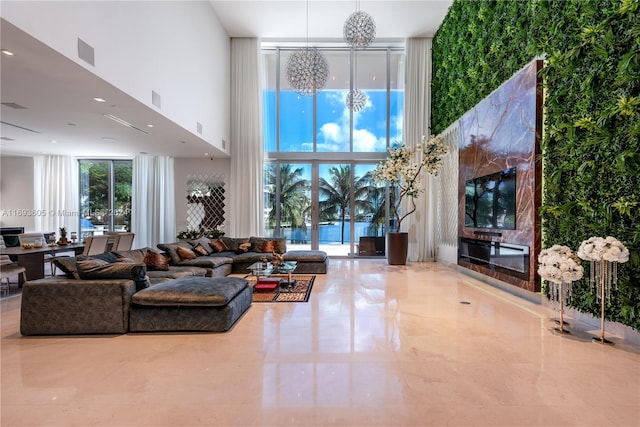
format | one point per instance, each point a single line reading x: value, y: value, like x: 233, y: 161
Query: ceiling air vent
x: 156, y: 99
x: 19, y: 127
x: 85, y: 52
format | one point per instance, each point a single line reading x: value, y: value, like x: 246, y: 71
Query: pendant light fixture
x: 307, y: 69
x: 356, y: 99
x: 359, y: 28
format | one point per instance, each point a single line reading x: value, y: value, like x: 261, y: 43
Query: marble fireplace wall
x: 501, y: 132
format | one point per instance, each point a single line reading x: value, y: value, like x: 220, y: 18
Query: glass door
x: 327, y: 206
x: 287, y: 202
x: 105, y: 196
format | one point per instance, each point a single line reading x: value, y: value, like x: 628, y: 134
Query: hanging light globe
x: 359, y: 29
x: 356, y: 100
x: 307, y: 71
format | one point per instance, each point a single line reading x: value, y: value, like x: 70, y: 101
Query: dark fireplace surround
x: 501, y: 132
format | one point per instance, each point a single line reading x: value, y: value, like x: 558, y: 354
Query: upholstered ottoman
x: 209, y: 304
x: 309, y: 262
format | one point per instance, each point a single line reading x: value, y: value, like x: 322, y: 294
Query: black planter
x: 397, y: 245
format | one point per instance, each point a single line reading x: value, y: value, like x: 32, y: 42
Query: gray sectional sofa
x: 143, y: 290
x: 233, y: 259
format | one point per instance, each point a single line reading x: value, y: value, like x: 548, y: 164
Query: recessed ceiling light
x: 150, y: 125
x: 206, y: 154
x: 71, y: 124
x: 183, y: 142
x: 7, y: 52
x: 53, y: 141
x: 97, y: 99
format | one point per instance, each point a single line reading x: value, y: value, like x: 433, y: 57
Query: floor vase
x: 397, y: 245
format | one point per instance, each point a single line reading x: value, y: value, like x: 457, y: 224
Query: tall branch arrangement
x: 401, y: 171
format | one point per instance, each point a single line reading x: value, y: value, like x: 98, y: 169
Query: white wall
x: 185, y: 167
x: 178, y: 49
x: 16, y: 192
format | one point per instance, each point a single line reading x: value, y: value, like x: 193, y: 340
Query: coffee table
x: 259, y: 269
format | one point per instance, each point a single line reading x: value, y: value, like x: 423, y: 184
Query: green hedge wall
x: 591, y: 135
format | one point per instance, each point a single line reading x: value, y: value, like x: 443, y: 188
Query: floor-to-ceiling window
x: 319, y: 151
x: 105, y: 196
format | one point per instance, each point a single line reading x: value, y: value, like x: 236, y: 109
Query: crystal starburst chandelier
x: 307, y: 69
x: 359, y: 29
x: 356, y: 100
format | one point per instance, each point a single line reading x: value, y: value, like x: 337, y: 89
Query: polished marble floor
x: 376, y: 345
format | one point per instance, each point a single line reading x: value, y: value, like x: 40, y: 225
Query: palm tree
x: 335, y: 196
x: 294, y: 198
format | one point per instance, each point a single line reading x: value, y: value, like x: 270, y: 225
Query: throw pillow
x: 204, y: 241
x: 156, y: 261
x: 92, y: 268
x: 186, y: 253
x: 68, y: 266
x: 171, y: 250
x: 280, y: 244
x: 269, y: 246
x: 136, y: 255
x: 219, y: 246
x: 86, y: 265
x: 106, y: 256
x: 233, y: 242
x: 200, y: 250
x: 243, y: 248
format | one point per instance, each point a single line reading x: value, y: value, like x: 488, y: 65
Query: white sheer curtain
x: 153, y: 208
x: 417, y: 111
x: 245, y: 213
x: 56, y: 193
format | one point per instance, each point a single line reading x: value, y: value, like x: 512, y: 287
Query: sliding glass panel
x: 105, y: 196
x: 291, y: 215
x: 334, y: 200
x: 94, y: 197
x: 370, y: 212
x: 121, y: 219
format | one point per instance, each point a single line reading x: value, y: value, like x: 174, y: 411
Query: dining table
x: 33, y: 258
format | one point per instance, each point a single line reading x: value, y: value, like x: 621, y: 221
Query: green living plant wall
x: 591, y: 136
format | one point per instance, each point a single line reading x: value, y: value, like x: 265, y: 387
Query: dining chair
x: 124, y: 242
x: 33, y: 238
x: 94, y: 245
x: 9, y: 269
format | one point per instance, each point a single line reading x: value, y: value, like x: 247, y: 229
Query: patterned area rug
x: 299, y: 293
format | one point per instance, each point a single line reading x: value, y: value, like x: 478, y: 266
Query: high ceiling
x: 60, y: 118
x: 395, y: 19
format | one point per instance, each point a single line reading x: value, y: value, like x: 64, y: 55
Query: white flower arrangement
x: 559, y: 264
x: 603, y: 249
x: 398, y: 170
